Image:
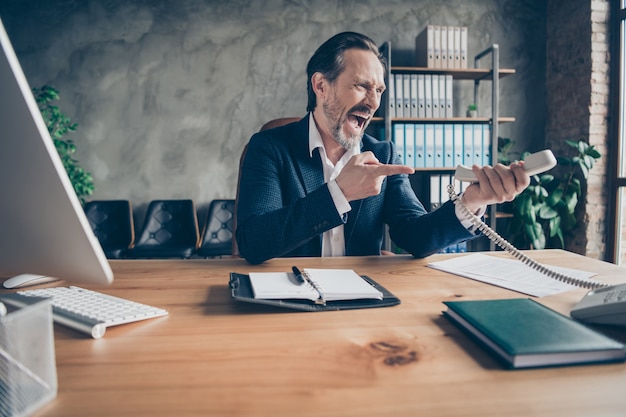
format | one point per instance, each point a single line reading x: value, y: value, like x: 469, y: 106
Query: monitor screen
x: 43, y: 228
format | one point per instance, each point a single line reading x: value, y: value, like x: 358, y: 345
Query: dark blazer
x: 284, y: 205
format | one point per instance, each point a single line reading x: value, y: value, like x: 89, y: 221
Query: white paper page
x: 279, y: 285
x: 342, y: 284
x: 511, y: 274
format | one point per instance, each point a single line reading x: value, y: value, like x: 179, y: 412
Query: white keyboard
x: 89, y: 311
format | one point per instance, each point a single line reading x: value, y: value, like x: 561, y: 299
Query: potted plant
x: 505, y: 146
x: 472, y: 110
x: 545, y: 211
x: 59, y: 125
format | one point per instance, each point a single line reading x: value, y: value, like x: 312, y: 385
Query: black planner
x: 241, y: 290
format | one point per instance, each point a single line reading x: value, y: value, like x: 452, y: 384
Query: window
x: 616, y: 245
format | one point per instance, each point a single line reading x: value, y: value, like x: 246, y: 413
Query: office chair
x: 112, y: 223
x: 269, y: 125
x: 217, y: 235
x: 170, y: 230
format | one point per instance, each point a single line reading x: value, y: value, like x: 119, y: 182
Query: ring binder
x: 316, y: 286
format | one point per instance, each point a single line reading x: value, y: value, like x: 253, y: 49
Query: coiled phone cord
x: 504, y: 244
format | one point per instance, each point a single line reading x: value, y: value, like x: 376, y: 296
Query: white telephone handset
x: 533, y: 164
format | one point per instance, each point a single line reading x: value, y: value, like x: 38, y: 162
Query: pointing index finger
x: 391, y: 169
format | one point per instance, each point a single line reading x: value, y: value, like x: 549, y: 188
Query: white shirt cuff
x: 341, y: 203
x: 465, y: 222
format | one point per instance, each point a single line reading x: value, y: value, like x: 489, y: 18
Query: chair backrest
x: 112, y: 223
x: 217, y: 235
x: 269, y: 125
x: 170, y: 230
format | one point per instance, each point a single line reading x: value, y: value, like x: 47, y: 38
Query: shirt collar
x: 315, y: 138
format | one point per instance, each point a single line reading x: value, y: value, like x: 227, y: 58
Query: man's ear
x: 319, y: 84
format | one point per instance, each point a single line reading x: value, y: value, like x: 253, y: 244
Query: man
x: 322, y: 187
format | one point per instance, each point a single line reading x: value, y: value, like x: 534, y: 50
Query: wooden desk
x: 215, y: 357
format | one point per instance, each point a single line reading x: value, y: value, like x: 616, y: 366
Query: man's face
x: 354, y: 97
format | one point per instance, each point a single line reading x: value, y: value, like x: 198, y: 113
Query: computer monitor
x: 43, y: 228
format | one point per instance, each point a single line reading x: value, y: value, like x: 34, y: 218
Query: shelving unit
x: 479, y: 74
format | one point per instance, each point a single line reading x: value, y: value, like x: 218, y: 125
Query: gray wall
x: 167, y: 93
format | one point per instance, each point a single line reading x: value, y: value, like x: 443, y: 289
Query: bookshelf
x: 486, y: 69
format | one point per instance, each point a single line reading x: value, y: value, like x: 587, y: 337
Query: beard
x: 332, y: 111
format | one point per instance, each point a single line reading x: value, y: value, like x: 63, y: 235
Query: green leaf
x: 556, y: 196
x: 536, y: 235
x: 554, y: 226
x: 546, y: 212
x: 571, y: 201
x: 593, y: 153
x: 584, y: 170
x: 546, y: 178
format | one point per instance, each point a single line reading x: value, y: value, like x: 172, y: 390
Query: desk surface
x: 213, y: 356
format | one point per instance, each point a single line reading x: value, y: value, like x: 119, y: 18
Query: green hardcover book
x: 524, y: 333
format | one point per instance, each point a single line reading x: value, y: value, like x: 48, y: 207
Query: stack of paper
x: 509, y: 273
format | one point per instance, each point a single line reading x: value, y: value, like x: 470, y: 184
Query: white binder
x: 421, y: 98
x: 441, y: 85
x: 406, y: 95
x: 451, y: 63
x: 437, y: 46
x: 478, y: 144
x: 444, y: 46
x: 435, y: 95
x: 414, y: 97
x: 439, y: 145
x: 463, y: 46
x: 449, y: 93
x: 428, y: 96
x: 391, y: 91
x: 448, y: 146
x: 418, y: 139
x: 459, y: 148
x: 468, y: 144
x: 457, y: 47
x: 399, y: 96
x: 409, y: 144
x: 398, y: 138
x: 429, y: 146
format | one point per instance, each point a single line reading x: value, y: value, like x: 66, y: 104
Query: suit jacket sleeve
x: 284, y: 205
x: 411, y: 227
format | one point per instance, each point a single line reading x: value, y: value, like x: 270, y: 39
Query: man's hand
x: 496, y: 184
x: 363, y: 176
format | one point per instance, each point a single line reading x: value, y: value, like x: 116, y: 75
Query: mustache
x: 361, y: 109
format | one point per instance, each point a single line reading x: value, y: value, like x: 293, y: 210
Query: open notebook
x: 325, y: 290
x: 319, y: 285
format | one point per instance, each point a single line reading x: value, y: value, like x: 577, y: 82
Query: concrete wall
x: 167, y: 93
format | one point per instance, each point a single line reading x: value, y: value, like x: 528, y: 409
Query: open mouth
x: 358, y: 121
